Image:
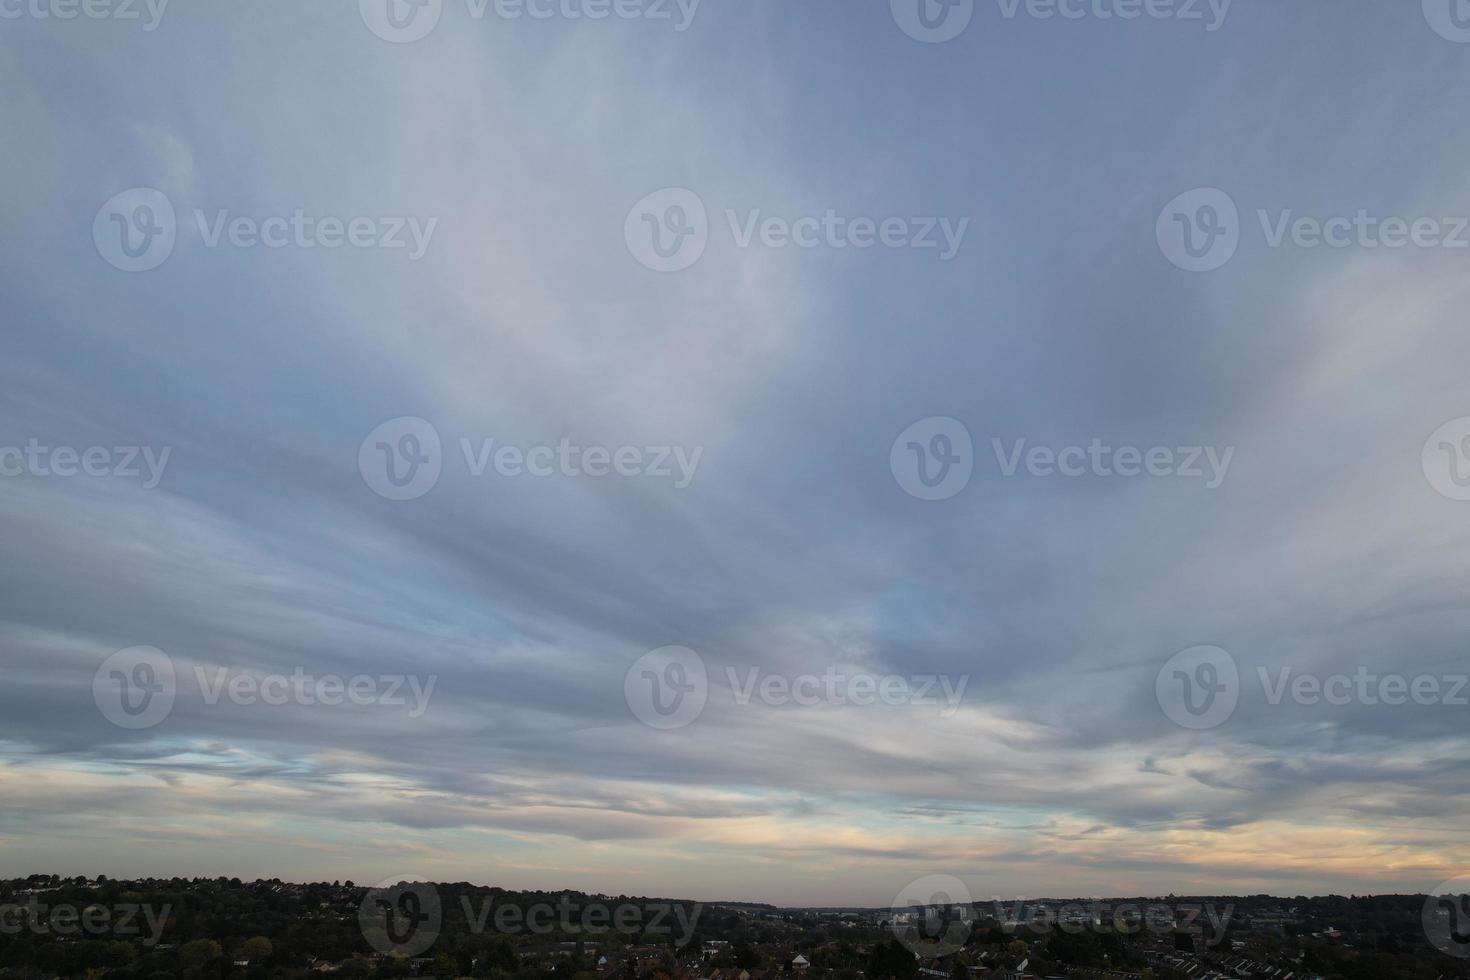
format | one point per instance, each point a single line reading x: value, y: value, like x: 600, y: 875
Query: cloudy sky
x: 807, y: 457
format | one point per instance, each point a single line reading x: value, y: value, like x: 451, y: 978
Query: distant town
x: 227, y: 929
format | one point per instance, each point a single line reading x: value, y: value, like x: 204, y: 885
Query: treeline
x: 226, y: 929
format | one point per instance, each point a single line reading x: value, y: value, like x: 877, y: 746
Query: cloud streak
x: 527, y: 321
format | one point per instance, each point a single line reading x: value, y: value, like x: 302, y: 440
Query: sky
x: 927, y: 440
